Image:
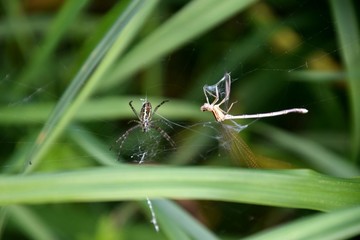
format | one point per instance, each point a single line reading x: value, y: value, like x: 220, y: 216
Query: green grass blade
x: 81, y: 87
x: 166, y: 224
x: 168, y: 212
x: 92, y: 145
x: 294, y: 188
x: 349, y: 39
x: 317, y: 76
x: 99, y: 32
x: 16, y: 162
x: 30, y: 223
x: 3, y: 219
x: 16, y: 17
x: 57, y: 30
x: 340, y: 224
x: 106, y: 108
x: 319, y: 157
x: 198, y: 17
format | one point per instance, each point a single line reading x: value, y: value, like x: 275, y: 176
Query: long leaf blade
x: 294, y: 188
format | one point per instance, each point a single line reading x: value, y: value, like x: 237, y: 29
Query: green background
x: 69, y: 70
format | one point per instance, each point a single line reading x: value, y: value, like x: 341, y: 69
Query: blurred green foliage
x: 68, y: 70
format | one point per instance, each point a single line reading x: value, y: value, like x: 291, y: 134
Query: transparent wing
x: 238, y: 150
x: 221, y: 90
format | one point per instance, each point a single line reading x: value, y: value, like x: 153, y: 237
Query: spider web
x: 143, y: 147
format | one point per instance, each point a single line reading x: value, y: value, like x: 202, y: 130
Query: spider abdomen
x: 146, y: 116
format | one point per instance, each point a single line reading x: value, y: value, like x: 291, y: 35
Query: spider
x: 145, y: 122
x: 221, y: 115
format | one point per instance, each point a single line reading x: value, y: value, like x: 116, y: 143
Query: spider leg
x: 123, y: 137
x: 156, y: 108
x: 134, y: 121
x: 164, y: 135
x: 133, y: 109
